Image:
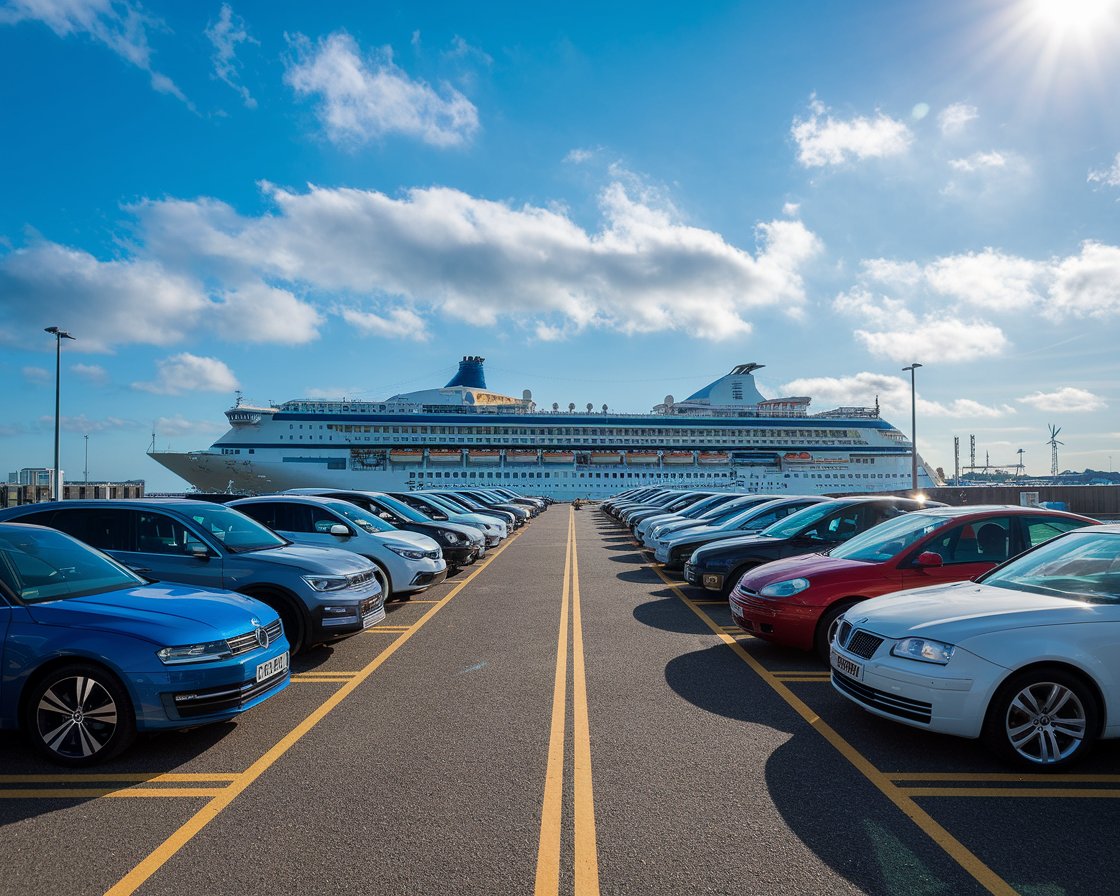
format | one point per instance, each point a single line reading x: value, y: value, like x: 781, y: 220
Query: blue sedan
x: 93, y: 654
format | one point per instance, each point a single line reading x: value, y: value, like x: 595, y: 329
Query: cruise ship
x: 726, y: 435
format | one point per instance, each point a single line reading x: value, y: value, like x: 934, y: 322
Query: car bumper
x: 425, y: 579
x: 949, y: 699
x: 460, y: 555
x: 364, y: 613
x: 781, y: 621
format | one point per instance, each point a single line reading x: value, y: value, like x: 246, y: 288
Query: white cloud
x: 935, y: 336
x: 257, y: 312
x: 1067, y: 399
x: 401, y: 323
x: 823, y: 140
x: 579, y: 156
x: 225, y: 34
x: 891, y: 392
x: 955, y: 118
x: 988, y: 279
x: 37, y: 375
x: 185, y: 372
x: 361, y: 100
x: 979, y: 161
x: 86, y: 425
x: 1108, y: 176
x: 92, y: 373
x: 791, y: 209
x: 120, y: 25
x: 171, y: 427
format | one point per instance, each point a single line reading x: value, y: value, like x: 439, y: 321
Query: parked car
x: 636, y: 518
x: 718, y: 567
x: 321, y: 594
x: 435, y: 508
x: 407, y: 562
x: 485, y: 500
x: 714, y: 516
x: 461, y: 545
x: 467, y: 505
x: 675, y: 549
x: 1027, y: 658
x: 94, y: 653
x: 796, y: 601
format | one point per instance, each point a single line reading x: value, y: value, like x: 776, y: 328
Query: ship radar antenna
x: 237, y: 403
x: 1054, y: 443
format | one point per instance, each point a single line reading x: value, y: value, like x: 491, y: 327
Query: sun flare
x: 1080, y: 16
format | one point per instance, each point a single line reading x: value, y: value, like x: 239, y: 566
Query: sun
x: 1081, y: 17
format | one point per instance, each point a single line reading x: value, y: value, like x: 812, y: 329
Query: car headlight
x: 924, y: 650
x: 327, y: 583
x: 449, y: 536
x: 407, y: 553
x: 788, y: 588
x: 194, y: 653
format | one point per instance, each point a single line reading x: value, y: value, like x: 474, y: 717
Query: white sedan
x: 1027, y: 657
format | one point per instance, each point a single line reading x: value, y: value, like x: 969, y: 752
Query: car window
x: 105, y: 528
x: 983, y: 541
x: 157, y: 533
x: 40, y: 565
x: 364, y: 519
x: 233, y: 528
x: 1038, y: 530
x: 1083, y: 565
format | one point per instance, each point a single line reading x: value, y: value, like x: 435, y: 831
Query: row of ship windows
x: 515, y: 474
x: 737, y: 433
x: 574, y: 440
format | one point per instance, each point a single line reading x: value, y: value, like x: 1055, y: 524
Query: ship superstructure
x: 726, y: 435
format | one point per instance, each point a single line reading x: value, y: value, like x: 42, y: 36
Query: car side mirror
x: 929, y: 559
x: 199, y: 551
x: 340, y: 530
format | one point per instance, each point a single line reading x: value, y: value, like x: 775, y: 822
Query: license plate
x: 845, y: 665
x: 371, y: 619
x: 274, y: 665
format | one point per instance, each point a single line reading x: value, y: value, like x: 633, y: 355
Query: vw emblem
x: 262, y: 636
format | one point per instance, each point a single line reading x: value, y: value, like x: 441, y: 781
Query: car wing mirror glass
x: 929, y: 559
x: 199, y: 551
x: 339, y: 529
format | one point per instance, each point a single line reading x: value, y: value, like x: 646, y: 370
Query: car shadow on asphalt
x: 669, y: 615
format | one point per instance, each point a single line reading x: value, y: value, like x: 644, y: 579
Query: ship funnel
x: 470, y: 373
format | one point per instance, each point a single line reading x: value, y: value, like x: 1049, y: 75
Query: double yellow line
x: 586, y: 861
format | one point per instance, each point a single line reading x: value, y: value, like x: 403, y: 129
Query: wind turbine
x: 1054, y: 443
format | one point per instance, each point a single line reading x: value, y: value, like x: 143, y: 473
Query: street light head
x: 52, y: 330
x: 55, y: 331
x: 912, y: 367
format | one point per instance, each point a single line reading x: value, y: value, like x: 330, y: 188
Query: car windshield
x: 890, y: 538
x: 361, y: 518
x: 795, y: 522
x: 38, y: 565
x: 1083, y: 565
x: 413, y: 516
x: 234, y: 529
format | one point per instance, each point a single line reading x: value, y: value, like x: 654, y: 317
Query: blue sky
x: 610, y: 202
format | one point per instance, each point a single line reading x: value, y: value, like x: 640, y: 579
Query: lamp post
x: 59, y: 335
x: 913, y: 429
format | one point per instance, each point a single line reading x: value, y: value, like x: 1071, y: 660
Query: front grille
x: 248, y: 641
x: 864, y: 644
x: 191, y: 704
x: 892, y: 704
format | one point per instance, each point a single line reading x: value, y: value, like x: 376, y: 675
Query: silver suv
x: 321, y: 594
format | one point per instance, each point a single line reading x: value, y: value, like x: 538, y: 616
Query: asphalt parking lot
x: 560, y: 718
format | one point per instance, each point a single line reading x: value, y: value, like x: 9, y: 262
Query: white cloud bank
x: 1068, y: 399
x: 959, y: 290
x: 225, y: 35
x: 388, y: 265
x: 892, y: 393
x: 185, y: 372
x: 955, y: 118
x: 824, y: 140
x: 1110, y: 176
x: 365, y: 99
x: 120, y: 25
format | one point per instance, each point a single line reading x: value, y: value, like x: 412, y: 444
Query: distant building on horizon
x: 15, y: 493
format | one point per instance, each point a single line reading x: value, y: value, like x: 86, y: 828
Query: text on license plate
x: 845, y: 665
x: 274, y: 665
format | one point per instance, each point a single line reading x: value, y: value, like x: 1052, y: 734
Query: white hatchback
x: 408, y: 561
x: 1027, y: 657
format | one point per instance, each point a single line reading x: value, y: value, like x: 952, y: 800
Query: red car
x: 796, y: 601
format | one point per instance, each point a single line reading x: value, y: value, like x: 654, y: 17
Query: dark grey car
x: 321, y: 594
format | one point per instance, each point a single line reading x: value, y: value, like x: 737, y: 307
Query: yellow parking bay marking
x: 128, y: 785
x: 586, y: 861
x: 137, y: 777
x: 818, y: 677
x: 40, y: 793
x: 1004, y: 792
x: 162, y: 853
x: 984, y: 875
x: 1004, y: 777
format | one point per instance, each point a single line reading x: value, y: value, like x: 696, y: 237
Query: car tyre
x: 826, y: 627
x: 1044, y: 718
x: 732, y: 580
x: 79, y: 714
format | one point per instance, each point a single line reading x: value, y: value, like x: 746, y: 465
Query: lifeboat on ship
x: 714, y: 457
x: 406, y: 455
x: 798, y: 457
x: 606, y: 457
x: 445, y: 455
x: 678, y: 457
x: 641, y: 457
x: 483, y: 456
x: 558, y: 457
x: 521, y: 456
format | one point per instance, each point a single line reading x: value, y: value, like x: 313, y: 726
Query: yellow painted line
x: 311, y: 673
x: 984, y: 875
x: 1016, y: 792
x: 547, y: 881
x: 43, y: 793
x: 1010, y: 777
x: 710, y: 603
x: 321, y: 679
x: 166, y: 850
x: 802, y: 679
x: 101, y: 778
x: 586, y: 852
